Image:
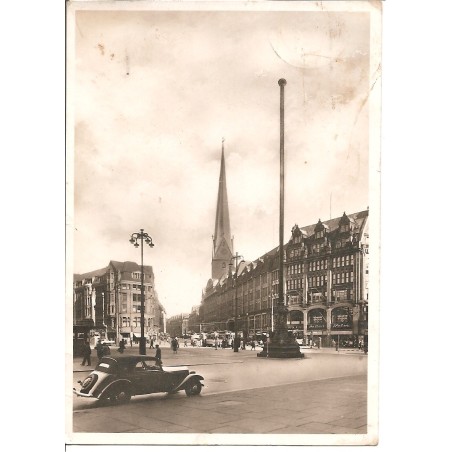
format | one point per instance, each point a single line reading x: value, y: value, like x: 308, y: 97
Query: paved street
x: 325, y: 393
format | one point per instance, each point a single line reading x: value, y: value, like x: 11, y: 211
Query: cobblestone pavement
x: 331, y: 406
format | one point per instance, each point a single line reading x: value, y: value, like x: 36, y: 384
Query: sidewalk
x: 332, y: 350
x: 332, y: 406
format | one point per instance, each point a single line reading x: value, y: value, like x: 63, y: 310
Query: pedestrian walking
x: 174, y: 345
x: 253, y: 345
x: 151, y: 345
x: 122, y: 346
x: 158, y: 354
x: 100, y: 349
x: 86, y: 352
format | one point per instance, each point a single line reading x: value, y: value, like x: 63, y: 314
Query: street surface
x: 326, y: 392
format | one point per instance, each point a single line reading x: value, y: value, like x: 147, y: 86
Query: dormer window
x: 136, y: 275
x: 319, y: 230
x: 344, y: 223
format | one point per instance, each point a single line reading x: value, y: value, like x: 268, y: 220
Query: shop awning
x: 137, y: 334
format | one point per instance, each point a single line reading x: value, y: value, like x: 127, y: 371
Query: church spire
x: 222, y: 242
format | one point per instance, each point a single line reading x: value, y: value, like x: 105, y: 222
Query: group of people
x: 102, y: 350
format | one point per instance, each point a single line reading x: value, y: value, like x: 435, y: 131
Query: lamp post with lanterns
x: 137, y: 239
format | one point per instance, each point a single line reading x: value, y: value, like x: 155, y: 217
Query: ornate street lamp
x: 134, y: 239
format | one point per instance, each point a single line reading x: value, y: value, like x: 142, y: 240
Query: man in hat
x: 86, y: 353
x: 100, y: 349
x: 158, y: 354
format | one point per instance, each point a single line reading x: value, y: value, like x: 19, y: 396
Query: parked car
x: 195, y: 339
x: 107, y: 342
x: 117, y: 379
x: 210, y: 340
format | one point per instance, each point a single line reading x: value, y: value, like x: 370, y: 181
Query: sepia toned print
x: 223, y: 222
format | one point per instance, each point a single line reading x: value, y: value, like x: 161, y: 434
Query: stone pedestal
x: 281, y: 343
x: 283, y: 350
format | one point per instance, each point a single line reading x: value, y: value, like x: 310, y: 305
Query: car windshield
x: 147, y: 364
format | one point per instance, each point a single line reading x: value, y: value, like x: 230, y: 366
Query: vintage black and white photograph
x: 222, y: 222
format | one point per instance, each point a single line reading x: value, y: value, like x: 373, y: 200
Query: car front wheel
x: 119, y: 394
x: 193, y: 388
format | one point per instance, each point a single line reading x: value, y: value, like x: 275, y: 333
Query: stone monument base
x: 281, y: 350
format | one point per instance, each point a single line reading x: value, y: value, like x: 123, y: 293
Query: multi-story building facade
x: 244, y: 296
x: 177, y: 325
x: 194, y: 324
x: 325, y: 284
x: 326, y: 279
x: 107, y: 303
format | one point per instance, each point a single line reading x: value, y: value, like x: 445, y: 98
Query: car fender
x: 188, y: 378
x: 113, y: 383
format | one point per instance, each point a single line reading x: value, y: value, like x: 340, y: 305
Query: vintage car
x: 117, y: 378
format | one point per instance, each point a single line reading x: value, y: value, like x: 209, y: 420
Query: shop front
x: 295, y: 324
x: 317, y: 328
x: 342, y: 328
x: 81, y: 333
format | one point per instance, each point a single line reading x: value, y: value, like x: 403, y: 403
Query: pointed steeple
x: 222, y: 242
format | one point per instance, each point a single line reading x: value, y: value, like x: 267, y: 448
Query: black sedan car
x: 118, y: 378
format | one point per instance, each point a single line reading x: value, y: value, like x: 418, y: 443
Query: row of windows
x: 297, y: 284
x: 318, y: 265
x: 343, y: 261
x: 136, y: 321
x: 135, y: 307
x: 294, y: 269
x: 291, y: 284
x: 244, y: 306
x: 135, y: 287
x: 296, y: 252
x: 322, y: 264
x: 315, y: 281
x: 294, y: 284
x: 342, y: 278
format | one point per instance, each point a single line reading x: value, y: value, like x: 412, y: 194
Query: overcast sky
x: 154, y: 94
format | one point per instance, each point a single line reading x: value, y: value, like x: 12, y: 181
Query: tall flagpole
x: 282, y: 83
x: 281, y: 344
